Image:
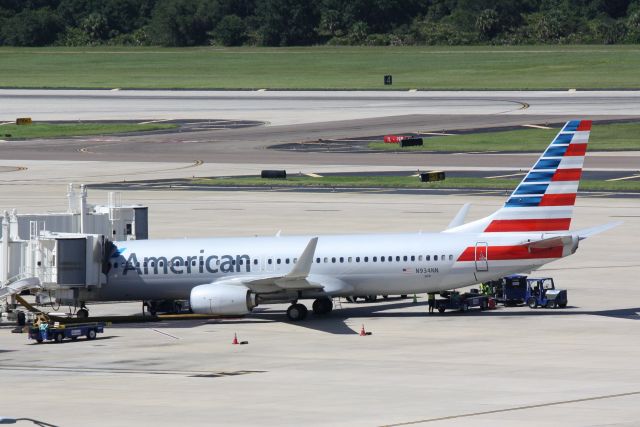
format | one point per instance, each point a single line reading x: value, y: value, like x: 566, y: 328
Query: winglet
x: 303, y: 266
x: 460, y: 216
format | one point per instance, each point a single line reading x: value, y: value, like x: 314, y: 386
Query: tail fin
x: 544, y: 199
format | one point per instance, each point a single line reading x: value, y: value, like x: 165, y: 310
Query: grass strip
x: 325, y: 67
x: 53, y: 130
x: 609, y: 137
x: 402, y: 182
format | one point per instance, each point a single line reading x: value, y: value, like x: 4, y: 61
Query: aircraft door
x: 482, y: 256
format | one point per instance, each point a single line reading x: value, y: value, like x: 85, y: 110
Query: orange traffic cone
x: 235, y: 339
x: 362, y: 331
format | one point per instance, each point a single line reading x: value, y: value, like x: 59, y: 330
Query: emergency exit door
x: 482, y: 256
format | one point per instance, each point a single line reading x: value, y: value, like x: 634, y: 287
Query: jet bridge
x: 54, y: 255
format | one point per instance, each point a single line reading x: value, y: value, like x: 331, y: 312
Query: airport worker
x: 432, y: 301
x: 44, y: 329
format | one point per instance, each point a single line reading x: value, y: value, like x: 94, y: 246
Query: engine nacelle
x: 222, y: 299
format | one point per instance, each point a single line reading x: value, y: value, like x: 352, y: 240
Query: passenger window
x: 326, y: 259
x: 153, y: 264
x: 317, y: 260
x: 341, y: 259
x: 450, y: 257
x: 295, y: 260
x: 278, y: 261
x: 442, y: 258
x: 397, y: 258
x: 286, y: 261
x: 357, y: 259
x: 435, y: 257
x: 404, y: 258
x: 413, y: 257
x: 255, y: 261
x: 349, y: 259
x: 270, y: 261
x: 366, y: 259
x: 333, y: 259
x: 375, y: 259
x: 419, y: 257
x: 381, y: 259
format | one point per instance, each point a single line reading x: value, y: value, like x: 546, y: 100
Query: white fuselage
x: 343, y: 264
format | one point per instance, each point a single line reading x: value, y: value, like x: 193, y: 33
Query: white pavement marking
x: 435, y: 133
x: 536, y: 127
x: 6, y: 123
x: 154, y: 121
x: 507, y: 176
x: 313, y: 175
x: 624, y: 178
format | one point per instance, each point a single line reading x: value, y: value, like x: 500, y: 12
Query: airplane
x: 232, y: 276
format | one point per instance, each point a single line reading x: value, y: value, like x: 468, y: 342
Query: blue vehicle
x: 542, y: 292
x: 510, y: 290
x: 58, y: 332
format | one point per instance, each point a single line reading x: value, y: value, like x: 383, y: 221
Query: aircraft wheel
x: 297, y: 312
x: 322, y: 306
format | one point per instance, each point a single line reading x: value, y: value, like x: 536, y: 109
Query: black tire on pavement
x: 91, y: 334
x: 532, y: 303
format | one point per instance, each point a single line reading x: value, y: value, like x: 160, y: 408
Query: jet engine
x: 222, y: 299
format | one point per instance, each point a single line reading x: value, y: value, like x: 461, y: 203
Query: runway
x: 302, y: 116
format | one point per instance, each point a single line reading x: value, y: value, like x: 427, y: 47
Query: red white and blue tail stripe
x: 544, y: 199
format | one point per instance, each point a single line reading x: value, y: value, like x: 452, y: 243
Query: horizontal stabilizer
x: 588, y: 232
x: 460, y: 216
x: 551, y: 242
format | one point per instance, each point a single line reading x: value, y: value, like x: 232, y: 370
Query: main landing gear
x: 297, y: 311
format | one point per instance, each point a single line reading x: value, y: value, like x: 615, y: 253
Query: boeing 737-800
x: 231, y: 276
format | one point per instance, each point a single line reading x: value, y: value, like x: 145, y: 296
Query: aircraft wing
x: 296, y: 279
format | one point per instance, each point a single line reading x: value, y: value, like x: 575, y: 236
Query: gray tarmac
x: 515, y: 366
x: 511, y: 366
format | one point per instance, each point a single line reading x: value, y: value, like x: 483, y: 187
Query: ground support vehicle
x: 542, y: 292
x: 454, y: 300
x: 509, y: 290
x: 58, y: 332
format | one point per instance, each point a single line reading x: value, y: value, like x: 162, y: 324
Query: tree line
x: 333, y: 22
